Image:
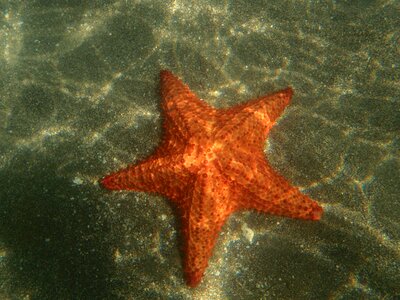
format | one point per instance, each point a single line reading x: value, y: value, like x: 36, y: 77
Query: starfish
x: 210, y: 164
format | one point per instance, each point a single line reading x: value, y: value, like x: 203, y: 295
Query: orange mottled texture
x: 210, y: 164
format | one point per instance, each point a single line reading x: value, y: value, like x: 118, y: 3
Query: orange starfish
x: 210, y: 164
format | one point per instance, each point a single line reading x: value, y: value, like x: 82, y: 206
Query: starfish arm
x: 185, y: 115
x: 270, y: 192
x: 292, y: 204
x: 202, y: 220
x: 268, y: 107
x: 161, y: 175
x: 249, y: 123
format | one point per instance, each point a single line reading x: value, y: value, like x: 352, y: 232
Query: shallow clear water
x: 79, y: 98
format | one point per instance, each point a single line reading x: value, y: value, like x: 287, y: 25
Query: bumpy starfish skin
x: 210, y: 164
